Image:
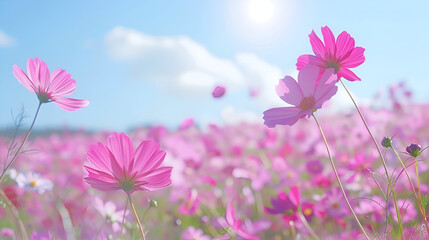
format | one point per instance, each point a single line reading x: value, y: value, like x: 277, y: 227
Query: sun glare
x: 261, y: 11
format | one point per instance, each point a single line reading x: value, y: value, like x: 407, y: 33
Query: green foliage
x: 425, y: 200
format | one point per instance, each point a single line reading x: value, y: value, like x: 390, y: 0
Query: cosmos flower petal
x: 306, y: 59
x: 113, y: 167
x: 69, y: 104
x: 295, y: 195
x: 326, y: 83
x: 102, y: 185
x: 317, y: 45
x: 23, y: 78
x: 347, y: 74
x: 39, y: 73
x: 282, y: 116
x: 355, y: 58
x: 289, y: 91
x: 345, y: 43
x: 230, y: 214
x: 148, y: 156
x: 99, y: 156
x: 105, y: 176
x: 157, y: 179
x: 329, y: 40
x: 61, y: 83
x: 340, y: 54
x: 121, y: 147
x: 272, y: 211
x: 307, y: 79
x: 49, y: 88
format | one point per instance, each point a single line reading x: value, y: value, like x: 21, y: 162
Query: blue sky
x: 155, y: 62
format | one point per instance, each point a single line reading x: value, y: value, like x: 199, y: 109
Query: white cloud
x: 5, y: 40
x: 176, y: 62
x: 185, y: 66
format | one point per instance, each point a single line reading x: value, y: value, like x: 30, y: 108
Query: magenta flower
x: 237, y: 224
x: 218, y: 91
x: 286, y: 204
x: 118, y: 166
x: 340, y: 54
x: 49, y: 87
x: 308, y: 94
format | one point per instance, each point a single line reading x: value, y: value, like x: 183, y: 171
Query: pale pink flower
x: 186, y: 123
x: 340, y: 54
x: 118, y: 166
x: 407, y: 210
x: 7, y: 232
x: 218, y: 91
x: 192, y: 233
x: 307, y: 95
x: 190, y: 204
x: 49, y: 87
x: 237, y: 225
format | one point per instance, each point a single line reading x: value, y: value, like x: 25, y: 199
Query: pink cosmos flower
x: 191, y: 203
x: 237, y: 224
x: 308, y: 94
x: 340, y: 54
x: 49, y: 87
x: 118, y: 166
x: 218, y: 91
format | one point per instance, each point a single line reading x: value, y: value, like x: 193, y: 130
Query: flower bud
x: 386, y: 142
x: 414, y: 149
x: 153, y: 203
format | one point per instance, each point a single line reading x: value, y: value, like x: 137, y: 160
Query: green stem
x: 418, y: 181
x: 123, y: 218
x: 338, y: 179
x: 20, y: 147
x: 135, y: 215
x: 145, y: 213
x: 378, y: 149
x: 15, y: 213
x: 419, y: 204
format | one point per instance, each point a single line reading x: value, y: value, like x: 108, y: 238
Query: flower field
x: 247, y: 164
x: 356, y: 174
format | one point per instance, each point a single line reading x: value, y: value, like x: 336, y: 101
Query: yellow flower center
x: 308, y: 211
x: 33, y: 183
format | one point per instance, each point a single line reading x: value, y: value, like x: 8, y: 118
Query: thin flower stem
x: 20, y: 147
x: 123, y: 218
x: 367, y: 128
x: 338, y: 179
x: 304, y: 221
x: 293, y: 230
x: 137, y: 217
x: 379, y: 152
x: 15, y: 213
x: 418, y: 181
x: 422, y: 211
x: 145, y: 213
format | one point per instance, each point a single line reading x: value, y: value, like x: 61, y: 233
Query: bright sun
x: 261, y: 11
